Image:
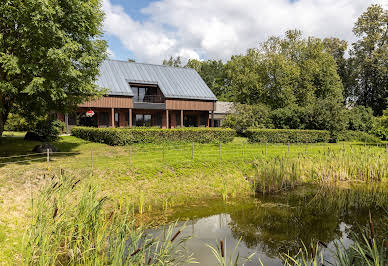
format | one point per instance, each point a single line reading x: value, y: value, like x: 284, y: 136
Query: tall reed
x: 72, y: 225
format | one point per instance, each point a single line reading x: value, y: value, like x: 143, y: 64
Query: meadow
x: 149, y: 180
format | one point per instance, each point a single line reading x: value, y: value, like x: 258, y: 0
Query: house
x: 147, y: 95
x: 222, y: 109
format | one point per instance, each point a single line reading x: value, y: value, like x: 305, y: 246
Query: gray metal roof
x: 174, y: 82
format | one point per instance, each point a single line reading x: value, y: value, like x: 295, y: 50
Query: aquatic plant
x: 224, y: 259
x: 72, y: 225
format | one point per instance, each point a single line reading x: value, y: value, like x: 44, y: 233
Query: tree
x: 285, y: 71
x: 370, y: 56
x: 50, y: 54
x: 175, y: 62
x: 337, y: 48
x: 213, y: 73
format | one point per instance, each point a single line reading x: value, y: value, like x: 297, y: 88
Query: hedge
x: 125, y: 136
x: 287, y: 135
x: 350, y: 135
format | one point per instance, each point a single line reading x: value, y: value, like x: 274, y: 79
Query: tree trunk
x: 4, y: 112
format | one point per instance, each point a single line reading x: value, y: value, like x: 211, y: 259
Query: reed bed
x: 283, y: 172
x: 71, y: 225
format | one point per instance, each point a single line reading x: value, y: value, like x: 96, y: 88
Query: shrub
x: 247, y: 116
x: 350, y: 135
x: 125, y: 136
x: 287, y: 135
x: 49, y: 129
x: 16, y: 122
x: 360, y: 118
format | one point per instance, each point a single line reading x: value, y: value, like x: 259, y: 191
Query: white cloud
x: 219, y: 28
x: 111, y: 54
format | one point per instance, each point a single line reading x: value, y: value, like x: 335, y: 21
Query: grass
x: 138, y: 176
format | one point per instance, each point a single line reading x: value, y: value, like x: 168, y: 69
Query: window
x: 142, y: 120
x: 103, y: 119
x: 146, y: 94
x: 139, y: 120
x: 190, y: 121
x: 203, y: 119
x: 117, y: 119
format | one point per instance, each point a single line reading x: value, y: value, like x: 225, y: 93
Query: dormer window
x: 146, y: 93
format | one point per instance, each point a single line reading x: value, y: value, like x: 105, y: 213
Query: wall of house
x: 110, y: 102
x: 189, y: 105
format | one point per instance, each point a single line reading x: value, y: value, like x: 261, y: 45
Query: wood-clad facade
x: 147, y: 95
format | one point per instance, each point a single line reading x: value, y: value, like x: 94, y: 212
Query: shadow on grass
x: 15, y: 146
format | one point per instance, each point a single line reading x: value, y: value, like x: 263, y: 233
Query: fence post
x: 243, y: 150
x: 91, y: 160
x: 220, y: 150
x: 130, y: 155
x: 288, y: 148
x: 48, y: 158
x: 192, y: 151
x: 163, y: 152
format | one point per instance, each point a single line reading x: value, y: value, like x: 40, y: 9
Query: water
x: 272, y: 225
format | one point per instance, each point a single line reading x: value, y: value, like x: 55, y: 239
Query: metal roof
x: 174, y: 82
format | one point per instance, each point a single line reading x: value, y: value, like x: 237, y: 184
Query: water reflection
x: 276, y: 224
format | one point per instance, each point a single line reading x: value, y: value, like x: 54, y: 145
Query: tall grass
x: 365, y: 250
x: 282, y: 173
x: 72, y: 225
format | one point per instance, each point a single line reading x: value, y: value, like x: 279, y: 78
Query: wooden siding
x: 189, y: 105
x: 110, y: 102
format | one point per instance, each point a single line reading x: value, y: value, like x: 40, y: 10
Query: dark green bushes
x: 124, y: 136
x: 287, y: 135
x: 306, y: 136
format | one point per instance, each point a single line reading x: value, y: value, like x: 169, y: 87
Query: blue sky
x: 150, y: 31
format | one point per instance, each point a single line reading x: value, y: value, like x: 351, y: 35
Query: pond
x: 270, y: 225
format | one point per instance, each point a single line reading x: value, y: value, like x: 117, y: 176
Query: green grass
x: 138, y: 176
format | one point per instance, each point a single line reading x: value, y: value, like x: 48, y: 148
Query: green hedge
x: 358, y: 136
x: 287, y: 135
x: 125, y: 136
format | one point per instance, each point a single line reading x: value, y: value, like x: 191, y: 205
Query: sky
x: 152, y: 30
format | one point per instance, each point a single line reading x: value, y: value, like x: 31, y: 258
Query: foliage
x: 287, y: 135
x: 50, y: 54
x: 213, y: 73
x: 175, y: 62
x: 246, y: 116
x: 125, y: 136
x: 49, y: 129
x: 369, y: 57
x: 285, y: 71
x: 70, y: 227
x: 350, y: 135
x: 16, y: 122
x: 360, y: 118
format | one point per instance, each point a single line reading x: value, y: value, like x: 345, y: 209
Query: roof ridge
x: 141, y: 63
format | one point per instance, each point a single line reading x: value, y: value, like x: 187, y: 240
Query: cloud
x: 111, y: 54
x: 219, y: 28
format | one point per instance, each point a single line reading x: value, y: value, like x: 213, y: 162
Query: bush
x: 49, y: 129
x: 16, y: 122
x: 125, y: 136
x: 287, y: 135
x: 247, y: 116
x: 360, y: 118
x: 350, y: 135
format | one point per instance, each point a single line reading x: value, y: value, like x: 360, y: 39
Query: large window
x: 143, y: 120
x: 146, y: 94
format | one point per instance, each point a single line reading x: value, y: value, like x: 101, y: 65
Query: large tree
x: 213, y: 73
x: 370, y: 59
x: 50, y: 52
x: 285, y: 71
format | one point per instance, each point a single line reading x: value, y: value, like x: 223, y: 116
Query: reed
x: 73, y: 226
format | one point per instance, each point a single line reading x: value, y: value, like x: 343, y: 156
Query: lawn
x: 151, y: 178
